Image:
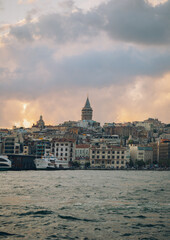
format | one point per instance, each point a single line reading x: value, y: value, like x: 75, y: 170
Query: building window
x: 61, y: 149
x: 65, y: 154
x: 61, y: 154
x: 98, y: 152
x: 57, y: 144
x: 66, y: 144
x: 66, y: 149
x: 93, y: 156
x: 113, y: 157
x: 102, y: 162
x: 92, y: 162
x: 122, y: 157
x: 113, y: 162
x: 117, y: 152
x: 113, y: 152
x: 108, y: 162
x: 108, y: 156
x: 98, y: 156
x: 122, y: 152
x: 103, y: 152
x: 117, y: 162
x: 108, y: 152
x: 122, y: 162
x: 117, y: 157
x: 62, y: 144
x: 103, y: 157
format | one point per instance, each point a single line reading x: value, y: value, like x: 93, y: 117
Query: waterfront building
x: 0, y: 147
x: 11, y: 145
x: 82, y: 154
x: 141, y: 153
x: 161, y: 152
x: 25, y: 150
x: 104, y: 155
x: 164, y: 152
x: 87, y: 111
x: 63, y: 148
x: 41, y: 146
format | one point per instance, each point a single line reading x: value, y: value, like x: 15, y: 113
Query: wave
x: 41, y: 212
x: 6, y: 234
x: 71, y: 218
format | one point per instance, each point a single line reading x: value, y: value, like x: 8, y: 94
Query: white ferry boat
x: 50, y: 162
x: 5, y: 163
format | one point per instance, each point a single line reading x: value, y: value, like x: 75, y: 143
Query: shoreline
x: 77, y: 169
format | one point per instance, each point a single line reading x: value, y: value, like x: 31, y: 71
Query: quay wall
x: 22, y: 162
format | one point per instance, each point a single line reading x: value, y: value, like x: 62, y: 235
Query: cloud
x: 137, y: 100
x: 134, y: 21
x: 26, y: 1
x: 34, y: 70
x: 117, y: 52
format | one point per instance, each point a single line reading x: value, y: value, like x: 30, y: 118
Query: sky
x: 53, y: 53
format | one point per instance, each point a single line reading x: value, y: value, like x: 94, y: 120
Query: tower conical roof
x: 87, y: 104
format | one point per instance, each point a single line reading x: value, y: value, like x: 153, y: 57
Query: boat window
x: 3, y: 165
x: 3, y: 160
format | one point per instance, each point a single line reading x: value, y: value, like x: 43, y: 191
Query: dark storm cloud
x: 137, y: 21
x: 128, y: 20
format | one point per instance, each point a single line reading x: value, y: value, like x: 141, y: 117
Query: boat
x: 49, y: 162
x: 5, y: 163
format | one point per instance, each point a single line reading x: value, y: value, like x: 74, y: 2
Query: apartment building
x: 104, y: 155
x: 164, y: 152
x: 11, y: 145
x: 141, y: 153
x: 63, y: 148
x: 82, y: 154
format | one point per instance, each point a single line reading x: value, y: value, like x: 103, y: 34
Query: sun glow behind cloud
x: 156, y: 2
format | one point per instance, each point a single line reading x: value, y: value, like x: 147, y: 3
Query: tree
x: 131, y: 163
x: 87, y: 164
x: 140, y: 163
x: 75, y: 164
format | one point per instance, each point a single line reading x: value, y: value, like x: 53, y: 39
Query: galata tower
x: 87, y: 111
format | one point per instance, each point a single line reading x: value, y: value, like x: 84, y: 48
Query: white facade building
x: 63, y: 149
x: 82, y: 154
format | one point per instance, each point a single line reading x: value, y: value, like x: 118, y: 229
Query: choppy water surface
x: 85, y: 205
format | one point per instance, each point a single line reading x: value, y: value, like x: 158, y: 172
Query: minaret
x: 87, y: 111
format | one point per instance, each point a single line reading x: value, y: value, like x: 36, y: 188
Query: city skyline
x: 53, y: 54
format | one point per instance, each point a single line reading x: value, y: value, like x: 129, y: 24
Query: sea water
x: 85, y: 205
